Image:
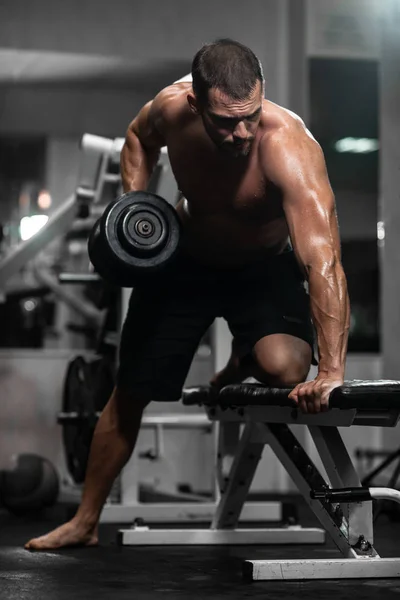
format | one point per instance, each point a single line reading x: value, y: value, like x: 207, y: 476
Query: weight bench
x: 342, y: 505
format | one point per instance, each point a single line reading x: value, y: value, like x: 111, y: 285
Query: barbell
x: 136, y: 236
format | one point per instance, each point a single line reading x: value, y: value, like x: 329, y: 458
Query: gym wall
x: 137, y: 35
x: 145, y: 43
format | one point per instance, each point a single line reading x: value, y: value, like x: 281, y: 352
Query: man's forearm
x: 330, y: 308
x: 137, y: 164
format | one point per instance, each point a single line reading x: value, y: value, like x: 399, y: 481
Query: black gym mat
x: 118, y: 573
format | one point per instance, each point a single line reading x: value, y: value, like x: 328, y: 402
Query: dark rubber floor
x: 138, y: 573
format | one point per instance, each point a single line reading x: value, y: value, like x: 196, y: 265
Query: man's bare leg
x: 113, y: 442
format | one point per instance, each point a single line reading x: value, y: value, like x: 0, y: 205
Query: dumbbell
x: 136, y: 236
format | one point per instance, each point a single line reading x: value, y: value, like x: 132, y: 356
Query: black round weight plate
x: 155, y: 211
x: 104, y: 262
x: 142, y: 230
x: 87, y: 387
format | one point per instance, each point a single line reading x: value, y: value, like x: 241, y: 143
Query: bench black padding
x: 359, y: 394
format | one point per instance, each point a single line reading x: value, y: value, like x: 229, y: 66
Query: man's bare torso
x: 231, y: 213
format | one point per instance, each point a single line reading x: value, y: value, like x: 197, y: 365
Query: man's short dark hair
x: 227, y: 65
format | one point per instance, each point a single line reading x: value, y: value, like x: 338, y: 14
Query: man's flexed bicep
x: 296, y: 165
x: 140, y: 152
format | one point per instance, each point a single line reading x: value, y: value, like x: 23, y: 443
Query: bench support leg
x: 342, y: 474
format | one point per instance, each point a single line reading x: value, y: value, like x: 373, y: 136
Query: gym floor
x: 142, y: 573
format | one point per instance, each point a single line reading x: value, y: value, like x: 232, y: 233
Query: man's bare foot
x: 69, y: 534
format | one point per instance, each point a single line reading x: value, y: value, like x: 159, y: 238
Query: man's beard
x: 238, y: 150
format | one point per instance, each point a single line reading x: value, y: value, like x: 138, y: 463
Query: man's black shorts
x: 167, y: 318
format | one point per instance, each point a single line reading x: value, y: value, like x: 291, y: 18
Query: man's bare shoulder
x: 281, y: 126
x: 171, y: 102
x: 287, y: 149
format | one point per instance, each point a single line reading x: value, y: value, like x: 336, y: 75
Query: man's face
x: 232, y: 124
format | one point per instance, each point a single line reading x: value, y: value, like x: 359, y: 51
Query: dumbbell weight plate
x: 105, y: 265
x: 142, y: 232
x: 136, y: 236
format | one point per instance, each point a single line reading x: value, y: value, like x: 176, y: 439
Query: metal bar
x: 101, y: 145
x: 96, y: 143
x: 342, y: 474
x: 389, y: 418
x: 334, y: 456
x: 239, y: 480
x: 380, y: 493
x: 177, y: 420
x: 58, y: 224
x: 282, y: 414
x: 78, y: 278
x: 80, y: 225
x: 228, y: 441
x: 74, y: 301
x: 357, y: 494
x: 307, y: 478
x: 356, y: 568
x: 174, y: 512
x: 221, y: 537
x: 149, y: 421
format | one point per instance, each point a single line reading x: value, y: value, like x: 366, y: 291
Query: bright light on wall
x: 31, y: 225
x: 380, y: 230
x: 44, y: 200
x: 357, y: 145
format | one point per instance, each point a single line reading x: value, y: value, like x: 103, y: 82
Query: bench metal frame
x: 230, y: 507
x: 181, y: 508
x: 350, y: 525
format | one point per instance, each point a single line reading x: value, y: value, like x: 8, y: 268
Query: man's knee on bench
x: 281, y: 361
